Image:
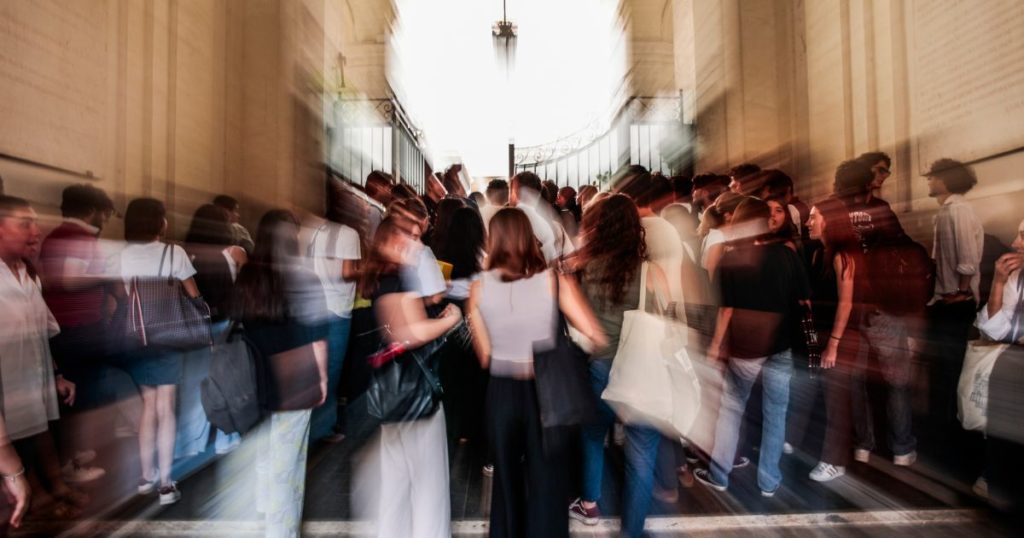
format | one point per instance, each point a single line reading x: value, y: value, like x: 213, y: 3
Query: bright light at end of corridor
x: 570, y: 59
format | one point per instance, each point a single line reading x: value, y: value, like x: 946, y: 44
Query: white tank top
x: 520, y: 319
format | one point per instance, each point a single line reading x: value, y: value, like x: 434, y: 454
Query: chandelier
x: 505, y: 33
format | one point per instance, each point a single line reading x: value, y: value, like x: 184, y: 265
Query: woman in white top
x: 715, y: 229
x: 513, y: 311
x: 997, y: 321
x: 156, y: 372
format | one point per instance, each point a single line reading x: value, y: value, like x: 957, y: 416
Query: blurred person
x: 240, y: 236
x: 611, y: 260
x: 664, y: 246
x: 881, y: 168
x: 32, y: 386
x: 682, y: 191
x: 715, y: 229
x: 378, y: 189
x: 453, y: 183
x: 778, y: 184
x: 156, y: 371
x: 442, y: 225
x: 333, y: 250
x: 1000, y: 320
x: 464, y: 381
x: 17, y: 493
x: 549, y: 192
x: 569, y: 211
x: 435, y: 191
x: 893, y: 313
x: 412, y: 457
x: 760, y: 285
x: 836, y: 290
x: 957, y: 251
x: 525, y: 194
x: 424, y: 276
x: 75, y: 290
x: 497, y: 198
x: 281, y: 305
x: 513, y: 314
x: 743, y: 179
x: 402, y: 191
x: 478, y: 199
x: 781, y: 224
x: 584, y: 197
x: 217, y: 262
x: 706, y: 189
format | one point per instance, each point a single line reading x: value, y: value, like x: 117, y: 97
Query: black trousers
x: 530, y: 491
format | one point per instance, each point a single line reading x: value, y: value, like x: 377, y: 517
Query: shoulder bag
x: 161, y: 314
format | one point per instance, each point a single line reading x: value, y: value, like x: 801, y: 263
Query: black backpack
x: 231, y: 392
x: 901, y: 276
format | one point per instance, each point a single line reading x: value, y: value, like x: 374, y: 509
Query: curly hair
x: 615, y: 245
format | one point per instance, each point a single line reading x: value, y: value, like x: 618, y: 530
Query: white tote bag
x: 652, y: 381
x: 972, y: 390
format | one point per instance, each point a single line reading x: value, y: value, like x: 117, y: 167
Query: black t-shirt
x: 305, y: 323
x: 874, y: 221
x: 762, y: 284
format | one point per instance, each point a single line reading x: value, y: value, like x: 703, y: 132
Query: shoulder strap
x: 643, y: 286
x: 170, y: 270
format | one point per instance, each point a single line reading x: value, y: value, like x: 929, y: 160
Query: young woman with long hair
x: 281, y: 306
x: 513, y: 312
x: 781, y: 225
x: 612, y: 255
x: 409, y: 459
x: 835, y: 291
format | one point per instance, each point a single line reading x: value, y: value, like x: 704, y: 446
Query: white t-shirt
x: 327, y: 246
x: 425, y: 277
x: 665, y: 248
x: 143, y: 260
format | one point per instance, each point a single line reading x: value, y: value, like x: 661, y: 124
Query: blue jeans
x: 888, y: 336
x: 326, y: 416
x: 641, y: 453
x: 740, y: 376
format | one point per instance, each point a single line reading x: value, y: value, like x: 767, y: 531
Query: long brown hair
x: 615, y: 245
x: 377, y: 263
x: 839, y: 237
x: 512, y: 247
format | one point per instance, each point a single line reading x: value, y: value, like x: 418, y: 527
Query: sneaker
x: 489, y: 469
x: 704, y: 477
x: 826, y: 471
x: 769, y: 494
x: 169, y: 494
x: 741, y: 462
x: 906, y: 460
x: 147, y: 486
x: 584, y: 515
x: 787, y: 448
x: 76, y: 474
x: 980, y: 487
x: 862, y: 455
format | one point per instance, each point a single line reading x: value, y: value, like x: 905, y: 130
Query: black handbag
x: 160, y: 314
x: 404, y: 385
x: 562, y: 378
x: 293, y: 380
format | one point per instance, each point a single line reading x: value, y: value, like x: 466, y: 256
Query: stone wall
x: 804, y: 85
x: 175, y: 99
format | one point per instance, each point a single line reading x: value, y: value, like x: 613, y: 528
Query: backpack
x: 901, y: 275
x: 231, y: 392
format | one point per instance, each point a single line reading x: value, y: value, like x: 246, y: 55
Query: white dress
x: 26, y: 366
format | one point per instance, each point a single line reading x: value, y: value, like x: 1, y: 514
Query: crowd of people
x: 474, y: 295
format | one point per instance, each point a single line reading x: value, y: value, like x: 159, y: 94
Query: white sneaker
x: 905, y: 460
x: 147, y: 486
x: 787, y: 448
x: 489, y: 469
x: 862, y: 455
x: 169, y: 494
x: 77, y: 474
x: 825, y: 472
